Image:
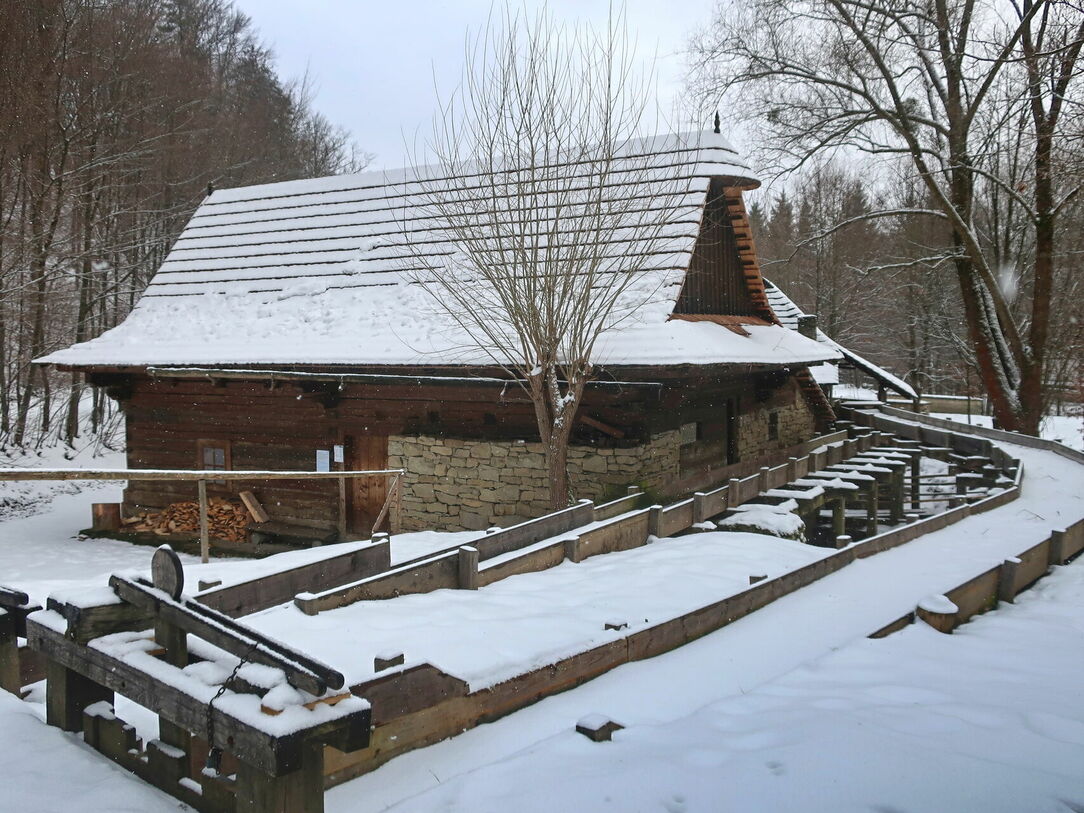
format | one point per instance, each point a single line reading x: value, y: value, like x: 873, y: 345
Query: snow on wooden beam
x: 283, y: 376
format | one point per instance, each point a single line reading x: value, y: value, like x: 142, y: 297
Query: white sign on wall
x: 323, y: 460
x: 338, y: 452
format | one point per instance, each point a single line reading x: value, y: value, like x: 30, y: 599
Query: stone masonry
x: 796, y: 424
x: 474, y: 484
x: 454, y: 483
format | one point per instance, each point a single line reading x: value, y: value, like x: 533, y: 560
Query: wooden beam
x: 301, y: 671
x: 255, y: 510
x: 272, y: 754
x: 85, y: 623
x: 183, y: 474
x: 612, y: 431
x: 12, y: 598
x: 299, y: 376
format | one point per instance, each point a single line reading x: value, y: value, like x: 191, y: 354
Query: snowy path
x: 798, y: 629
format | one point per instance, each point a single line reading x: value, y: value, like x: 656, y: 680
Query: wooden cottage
x: 283, y: 330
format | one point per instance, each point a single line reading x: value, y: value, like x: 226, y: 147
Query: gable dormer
x: 724, y: 273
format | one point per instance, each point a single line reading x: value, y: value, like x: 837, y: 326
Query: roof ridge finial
x: 716, y: 121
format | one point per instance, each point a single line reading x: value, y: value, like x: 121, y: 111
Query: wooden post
x: 10, y: 679
x: 1006, y: 580
x: 468, y: 568
x: 342, y: 508
x: 733, y: 492
x: 572, y: 549
x: 67, y: 693
x: 895, y: 505
x: 204, y: 531
x: 654, y: 520
x: 1057, y: 548
x: 699, y: 507
x: 839, y: 516
x: 792, y: 469
x: 301, y: 791
x: 871, y: 509
x: 105, y: 516
x: 397, y: 516
x: 916, y: 475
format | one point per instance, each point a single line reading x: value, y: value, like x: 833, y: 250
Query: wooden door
x: 366, y: 494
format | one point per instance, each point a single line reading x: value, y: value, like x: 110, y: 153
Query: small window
x: 773, y: 426
x: 690, y: 433
x: 214, y: 458
x: 213, y: 455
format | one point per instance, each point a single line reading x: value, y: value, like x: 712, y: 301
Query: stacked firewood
x: 225, y: 520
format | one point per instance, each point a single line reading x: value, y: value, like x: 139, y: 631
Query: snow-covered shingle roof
x: 319, y: 272
x: 788, y: 313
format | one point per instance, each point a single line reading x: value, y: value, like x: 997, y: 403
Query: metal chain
x: 214, y: 753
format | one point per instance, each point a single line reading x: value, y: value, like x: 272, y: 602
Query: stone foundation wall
x: 453, y: 484
x: 796, y: 424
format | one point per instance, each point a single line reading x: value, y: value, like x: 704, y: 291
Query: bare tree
x: 548, y: 210
x: 114, y: 116
x: 927, y: 86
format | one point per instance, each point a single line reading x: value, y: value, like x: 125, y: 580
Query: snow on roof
x: 323, y: 271
x: 788, y: 314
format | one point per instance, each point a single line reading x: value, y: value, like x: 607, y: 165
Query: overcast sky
x: 373, y: 63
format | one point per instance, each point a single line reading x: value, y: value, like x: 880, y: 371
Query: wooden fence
x: 202, y: 476
x: 1003, y: 582
x: 547, y: 541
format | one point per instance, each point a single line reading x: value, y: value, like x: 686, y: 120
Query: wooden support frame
x: 301, y: 671
x: 85, y: 667
x: 276, y: 773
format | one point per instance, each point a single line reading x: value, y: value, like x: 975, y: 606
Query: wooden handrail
x: 184, y: 474
x: 201, y: 476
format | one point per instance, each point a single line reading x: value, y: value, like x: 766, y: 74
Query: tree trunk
x: 557, y: 468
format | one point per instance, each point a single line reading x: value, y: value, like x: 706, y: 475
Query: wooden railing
x: 202, y: 476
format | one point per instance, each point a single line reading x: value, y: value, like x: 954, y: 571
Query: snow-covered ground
x: 988, y: 719
x: 750, y: 717
x: 527, y: 621
x: 789, y: 707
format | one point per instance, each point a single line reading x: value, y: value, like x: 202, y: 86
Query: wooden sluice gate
x: 244, y: 721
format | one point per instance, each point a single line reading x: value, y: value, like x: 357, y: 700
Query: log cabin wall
x: 468, y: 449
x: 170, y: 422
